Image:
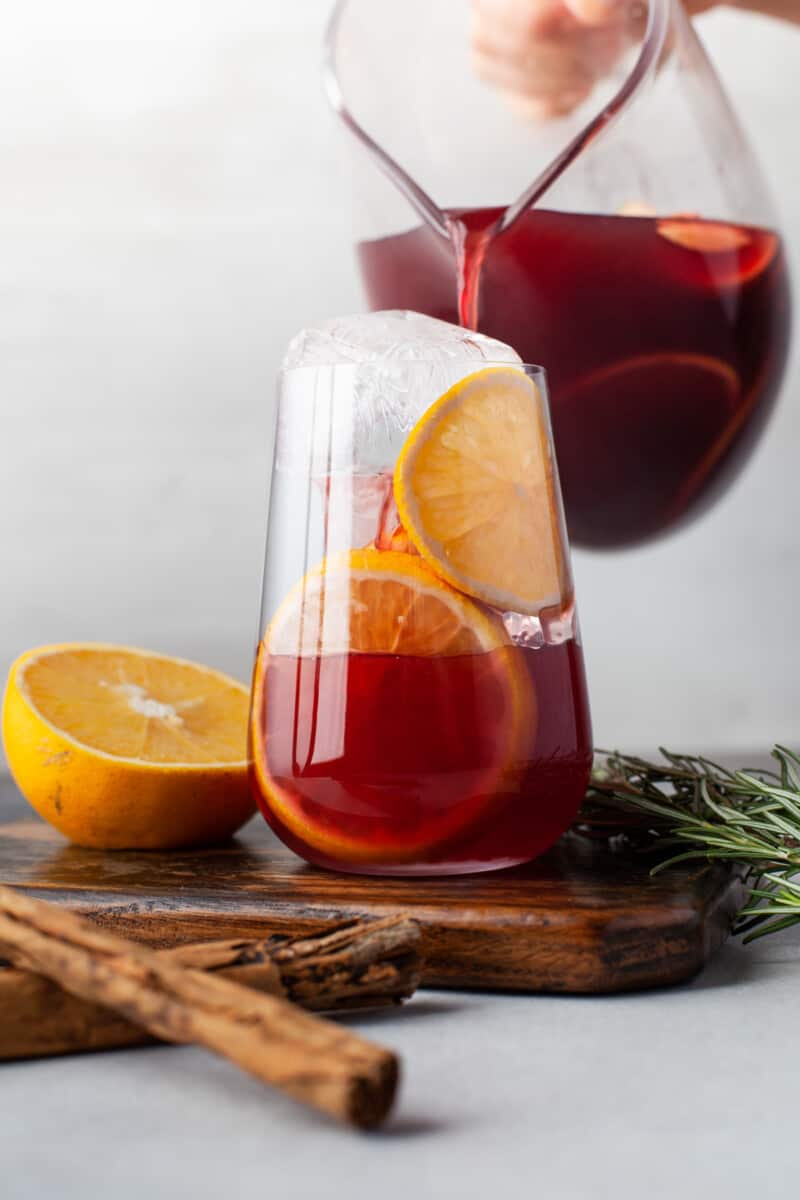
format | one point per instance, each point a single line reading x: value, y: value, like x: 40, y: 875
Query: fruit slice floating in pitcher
x: 705, y: 388
x: 124, y: 749
x: 680, y: 437
x: 731, y: 253
x: 474, y: 487
x: 389, y: 710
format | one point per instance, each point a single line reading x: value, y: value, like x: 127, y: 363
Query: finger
x: 560, y: 34
x: 508, y: 24
x: 587, y: 54
x: 545, y: 74
x: 539, y: 108
x: 605, y: 12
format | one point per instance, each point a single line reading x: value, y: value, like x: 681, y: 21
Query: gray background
x: 171, y: 212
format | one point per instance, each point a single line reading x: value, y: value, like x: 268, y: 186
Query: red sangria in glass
x: 419, y: 700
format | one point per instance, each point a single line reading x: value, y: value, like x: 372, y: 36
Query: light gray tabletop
x: 690, y: 1092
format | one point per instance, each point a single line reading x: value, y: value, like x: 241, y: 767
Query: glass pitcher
x: 627, y: 242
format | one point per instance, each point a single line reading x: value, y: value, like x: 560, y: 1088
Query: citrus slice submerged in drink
x: 389, y: 712
x: 474, y: 486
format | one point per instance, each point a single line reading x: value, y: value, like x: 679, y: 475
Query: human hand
x: 547, y: 55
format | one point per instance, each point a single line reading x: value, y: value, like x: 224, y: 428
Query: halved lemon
x: 475, y: 488
x: 388, y: 710
x: 121, y: 748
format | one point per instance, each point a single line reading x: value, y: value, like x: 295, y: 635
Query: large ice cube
x: 392, y: 336
x: 400, y: 363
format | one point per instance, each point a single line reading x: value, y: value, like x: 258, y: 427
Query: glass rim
x: 528, y: 368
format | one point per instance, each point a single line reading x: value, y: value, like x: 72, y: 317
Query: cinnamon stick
x: 360, y: 965
x: 309, y: 1058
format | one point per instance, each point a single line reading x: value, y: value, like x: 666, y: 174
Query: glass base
x: 422, y: 870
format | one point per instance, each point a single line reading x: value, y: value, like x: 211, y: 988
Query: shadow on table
x: 418, y: 1007
x: 732, y: 966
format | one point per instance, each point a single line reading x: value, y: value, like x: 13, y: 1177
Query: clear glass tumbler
x: 419, y: 701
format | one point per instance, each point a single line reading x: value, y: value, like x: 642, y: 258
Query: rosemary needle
x: 700, y: 810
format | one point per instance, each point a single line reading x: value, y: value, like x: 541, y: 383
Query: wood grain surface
x: 580, y: 919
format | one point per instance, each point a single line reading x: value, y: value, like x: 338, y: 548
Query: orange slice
x: 341, y: 751
x: 120, y: 748
x: 731, y: 254
x: 709, y: 237
x: 379, y: 602
x: 475, y: 489
x: 640, y: 374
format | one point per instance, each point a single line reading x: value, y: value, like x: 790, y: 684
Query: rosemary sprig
x: 750, y: 818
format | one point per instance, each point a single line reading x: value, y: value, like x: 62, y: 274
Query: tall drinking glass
x: 419, y: 702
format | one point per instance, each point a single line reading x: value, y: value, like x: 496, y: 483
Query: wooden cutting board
x: 580, y: 919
